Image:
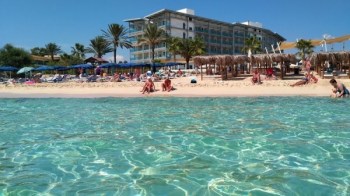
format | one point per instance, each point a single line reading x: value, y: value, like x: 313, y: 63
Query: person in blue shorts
x: 339, y: 89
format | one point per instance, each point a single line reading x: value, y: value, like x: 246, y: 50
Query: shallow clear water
x: 175, y: 146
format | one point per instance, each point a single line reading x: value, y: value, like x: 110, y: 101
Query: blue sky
x: 31, y: 23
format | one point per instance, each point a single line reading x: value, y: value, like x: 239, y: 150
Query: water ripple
x: 175, y: 146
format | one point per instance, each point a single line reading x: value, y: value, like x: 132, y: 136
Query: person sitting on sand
x: 313, y: 78
x: 339, y: 89
x: 256, y: 77
x: 116, y: 77
x: 149, y: 86
x: 156, y: 77
x: 303, y: 81
x: 166, y: 86
x: 269, y: 74
x: 179, y: 73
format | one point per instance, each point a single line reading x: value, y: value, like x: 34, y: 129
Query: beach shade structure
x: 8, y: 68
x: 127, y: 65
x: 44, y: 68
x: 82, y: 66
x: 109, y: 65
x: 25, y: 70
x: 60, y: 68
x: 170, y: 64
x: 158, y: 65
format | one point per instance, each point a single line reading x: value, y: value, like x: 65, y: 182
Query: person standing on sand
x: 307, y: 66
x: 339, y: 89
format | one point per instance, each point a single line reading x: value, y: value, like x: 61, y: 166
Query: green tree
x: 173, y: 46
x: 117, y: 36
x: 191, y: 47
x: 79, y: 51
x: 38, y: 51
x: 67, y: 59
x: 52, y: 49
x: 305, y: 47
x: 18, y: 57
x: 99, y: 46
x: 251, y: 45
x: 152, y: 36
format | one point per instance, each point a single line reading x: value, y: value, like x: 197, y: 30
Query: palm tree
x: 173, y: 46
x: 251, y: 45
x: 152, y: 36
x: 305, y: 47
x: 52, y: 49
x: 116, y: 35
x: 99, y: 46
x: 79, y: 50
x: 191, y: 47
x: 67, y: 59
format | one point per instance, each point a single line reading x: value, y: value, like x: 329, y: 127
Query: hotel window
x: 190, y: 28
x: 189, y: 37
x: 183, y: 25
x: 190, y: 19
x: 184, y: 35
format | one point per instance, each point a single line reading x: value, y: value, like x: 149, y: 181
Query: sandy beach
x: 209, y: 87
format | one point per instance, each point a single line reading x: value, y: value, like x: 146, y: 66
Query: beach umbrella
x: 8, y: 68
x: 170, y: 64
x: 83, y: 66
x: 109, y: 65
x: 43, y: 68
x: 60, y: 68
x: 25, y: 70
x: 158, y: 65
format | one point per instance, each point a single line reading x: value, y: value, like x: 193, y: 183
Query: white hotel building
x: 219, y: 37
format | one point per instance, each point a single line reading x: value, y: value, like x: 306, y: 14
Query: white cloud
x: 110, y: 58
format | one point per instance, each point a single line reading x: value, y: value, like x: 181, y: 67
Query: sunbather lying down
x: 308, y: 78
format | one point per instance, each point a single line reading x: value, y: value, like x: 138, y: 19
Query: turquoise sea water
x: 175, y: 146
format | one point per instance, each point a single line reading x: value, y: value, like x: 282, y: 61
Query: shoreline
x: 133, y: 92
x: 205, y: 88
x: 93, y: 96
